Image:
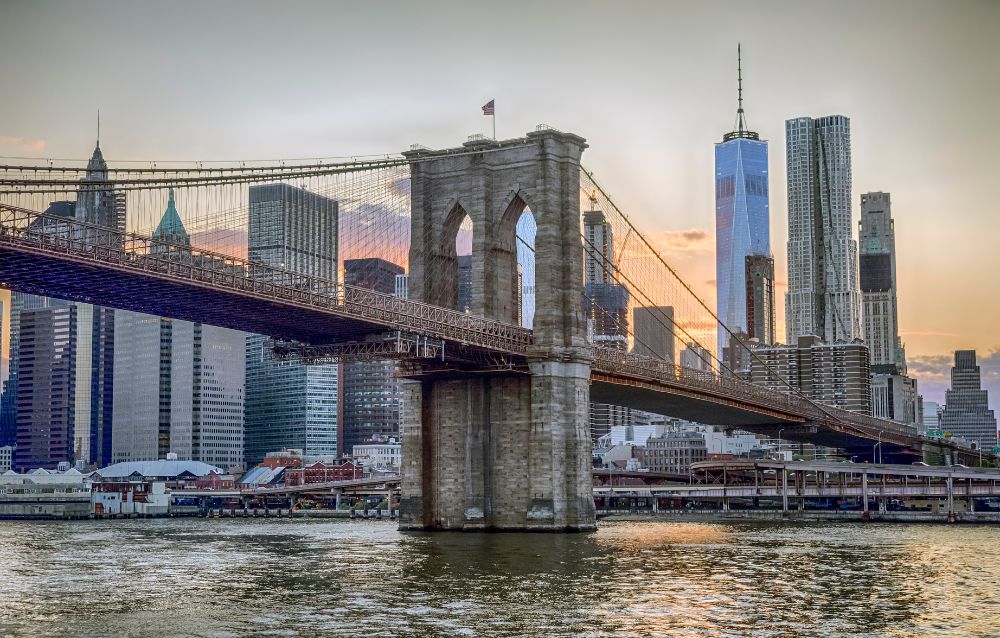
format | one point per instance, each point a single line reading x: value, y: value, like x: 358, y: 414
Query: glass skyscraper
x: 178, y: 386
x: 372, y: 398
x: 290, y: 404
x: 742, y: 218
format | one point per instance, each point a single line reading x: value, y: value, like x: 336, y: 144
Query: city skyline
x: 670, y: 125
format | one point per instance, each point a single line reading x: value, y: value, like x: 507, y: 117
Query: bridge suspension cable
x: 641, y: 269
x: 373, y: 199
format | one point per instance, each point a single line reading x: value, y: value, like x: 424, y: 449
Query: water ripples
x: 223, y: 578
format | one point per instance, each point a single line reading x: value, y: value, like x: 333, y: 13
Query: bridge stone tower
x: 488, y: 449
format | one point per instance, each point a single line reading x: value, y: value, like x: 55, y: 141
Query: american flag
x: 488, y: 108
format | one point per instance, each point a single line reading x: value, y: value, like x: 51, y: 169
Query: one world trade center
x: 745, y: 302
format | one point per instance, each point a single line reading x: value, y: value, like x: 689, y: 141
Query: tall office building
x: 894, y: 397
x: 966, y: 411
x: 290, y: 404
x: 178, y: 386
x: 605, y: 302
x: 598, y: 249
x: 760, y: 299
x: 8, y: 428
x: 465, y: 283
x: 737, y: 354
x: 742, y: 218
x: 371, y: 393
x: 293, y: 229
x: 931, y: 418
x: 833, y: 374
x: 46, y: 423
x: 605, y: 307
x: 823, y: 297
x: 64, y: 384
x: 22, y: 301
x: 97, y: 204
x: 877, y: 236
x: 695, y: 357
x: 72, y: 413
x: 402, y: 289
x: 654, y: 332
x: 171, y: 229
x: 372, y: 273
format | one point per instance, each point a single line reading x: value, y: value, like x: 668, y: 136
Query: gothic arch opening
x: 514, y: 257
x: 525, y: 291
x: 456, y: 261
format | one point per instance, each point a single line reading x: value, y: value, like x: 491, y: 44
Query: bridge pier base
x: 498, y: 452
x: 501, y: 450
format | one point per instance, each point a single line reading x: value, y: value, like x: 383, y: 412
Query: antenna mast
x: 741, y: 124
x: 741, y: 128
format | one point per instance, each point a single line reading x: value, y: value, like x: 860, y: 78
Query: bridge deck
x: 130, y: 272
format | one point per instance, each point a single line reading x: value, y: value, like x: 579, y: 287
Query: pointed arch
x: 457, y: 213
x: 514, y: 204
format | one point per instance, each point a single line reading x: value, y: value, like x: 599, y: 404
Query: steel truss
x: 619, y: 363
x: 86, y: 244
x: 391, y: 346
x: 486, y: 344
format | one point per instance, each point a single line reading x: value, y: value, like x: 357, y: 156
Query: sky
x: 651, y: 85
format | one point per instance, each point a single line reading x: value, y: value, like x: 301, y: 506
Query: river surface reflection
x: 221, y: 578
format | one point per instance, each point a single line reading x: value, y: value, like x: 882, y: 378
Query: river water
x: 258, y: 577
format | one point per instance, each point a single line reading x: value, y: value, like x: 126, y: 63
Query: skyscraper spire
x: 98, y: 128
x: 741, y: 124
x: 741, y: 129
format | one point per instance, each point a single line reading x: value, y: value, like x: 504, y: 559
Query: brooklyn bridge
x: 495, y: 427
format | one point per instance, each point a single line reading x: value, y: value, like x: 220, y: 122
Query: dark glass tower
x: 291, y: 404
x: 372, y: 397
x: 760, y: 298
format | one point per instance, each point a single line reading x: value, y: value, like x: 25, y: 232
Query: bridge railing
x: 614, y: 360
x: 33, y: 230
x: 37, y: 231
x: 642, y: 367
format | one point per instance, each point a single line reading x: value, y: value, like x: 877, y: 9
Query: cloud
x: 936, y: 365
x: 31, y: 145
x: 691, y: 240
x: 926, y: 333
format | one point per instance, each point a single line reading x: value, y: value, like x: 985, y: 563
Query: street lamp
x: 779, y: 443
x: 878, y: 446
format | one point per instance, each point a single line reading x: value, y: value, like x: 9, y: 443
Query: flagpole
x: 494, y: 123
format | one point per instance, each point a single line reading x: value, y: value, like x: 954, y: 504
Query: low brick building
x: 323, y: 473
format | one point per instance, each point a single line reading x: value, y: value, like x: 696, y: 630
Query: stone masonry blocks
x: 512, y: 450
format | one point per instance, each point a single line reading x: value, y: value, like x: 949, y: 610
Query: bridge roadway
x: 368, y: 485
x: 745, y: 479
x: 63, y: 258
x: 723, y: 481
